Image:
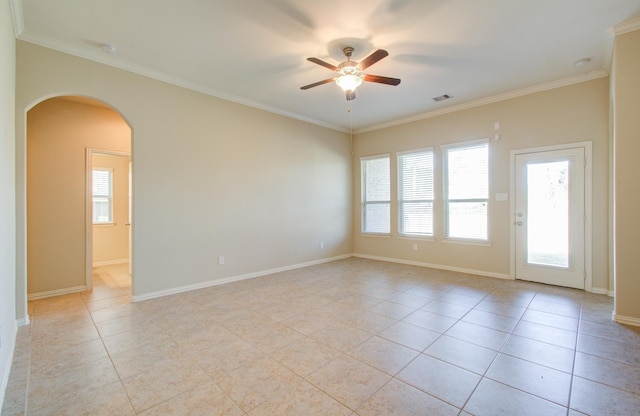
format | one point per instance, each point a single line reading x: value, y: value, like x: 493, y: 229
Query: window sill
x: 104, y: 225
x: 376, y: 235
x: 415, y: 237
x: 467, y: 242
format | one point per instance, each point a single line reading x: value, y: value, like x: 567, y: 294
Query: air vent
x: 442, y: 97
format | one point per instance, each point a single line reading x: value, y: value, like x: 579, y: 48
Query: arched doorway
x: 60, y: 133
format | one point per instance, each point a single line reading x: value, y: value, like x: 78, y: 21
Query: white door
x: 550, y: 217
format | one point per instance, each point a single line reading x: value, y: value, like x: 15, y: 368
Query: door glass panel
x: 548, y: 214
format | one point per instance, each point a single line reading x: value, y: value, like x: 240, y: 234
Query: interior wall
x: 569, y: 114
x: 7, y: 196
x: 111, y: 241
x: 211, y: 178
x: 626, y: 119
x: 58, y: 133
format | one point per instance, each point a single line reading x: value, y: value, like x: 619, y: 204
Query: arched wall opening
x: 64, y: 134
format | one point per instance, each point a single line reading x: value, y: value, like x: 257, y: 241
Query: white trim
x: 489, y: 100
x: 626, y: 27
x: 57, y: 292
x: 599, y: 291
x: 23, y: 321
x: 626, y: 320
x: 435, y: 266
x: 210, y: 283
x: 18, y: 18
x: 611, y: 293
x: 467, y: 143
x: 7, y: 369
x: 109, y: 262
x: 588, y: 204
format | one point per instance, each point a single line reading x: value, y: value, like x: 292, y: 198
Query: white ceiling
x: 254, y: 51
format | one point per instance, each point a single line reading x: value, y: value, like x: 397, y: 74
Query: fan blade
x: 381, y: 80
x: 323, y: 63
x: 372, y: 59
x: 351, y: 95
x: 315, y: 84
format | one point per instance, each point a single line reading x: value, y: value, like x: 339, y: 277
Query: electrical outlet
x: 322, y: 246
x: 221, y: 260
x: 415, y: 247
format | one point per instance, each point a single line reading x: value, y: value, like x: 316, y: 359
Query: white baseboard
x: 626, y: 320
x: 188, y: 288
x: 601, y: 291
x: 436, y: 266
x: 57, y: 292
x: 109, y: 262
x: 7, y: 366
x: 23, y: 321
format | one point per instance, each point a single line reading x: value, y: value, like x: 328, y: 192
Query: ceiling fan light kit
x: 351, y: 73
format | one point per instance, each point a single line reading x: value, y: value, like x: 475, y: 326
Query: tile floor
x: 351, y: 337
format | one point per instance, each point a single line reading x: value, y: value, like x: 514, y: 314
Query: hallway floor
x: 351, y: 337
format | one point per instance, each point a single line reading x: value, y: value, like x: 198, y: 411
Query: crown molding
x: 148, y: 72
x: 626, y: 27
x: 490, y: 100
x: 17, y: 16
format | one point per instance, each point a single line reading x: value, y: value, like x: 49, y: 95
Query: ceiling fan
x: 350, y: 73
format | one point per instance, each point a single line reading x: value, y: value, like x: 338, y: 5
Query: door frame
x: 588, y: 209
x: 90, y: 152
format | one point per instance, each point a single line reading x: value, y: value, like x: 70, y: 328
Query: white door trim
x: 588, y: 184
x: 89, y: 209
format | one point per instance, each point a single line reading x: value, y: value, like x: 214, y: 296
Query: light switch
x: 502, y: 197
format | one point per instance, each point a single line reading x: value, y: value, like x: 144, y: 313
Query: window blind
x: 102, y: 181
x: 376, y: 184
x: 415, y: 193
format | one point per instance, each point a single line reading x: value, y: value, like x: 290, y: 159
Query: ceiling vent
x: 442, y: 97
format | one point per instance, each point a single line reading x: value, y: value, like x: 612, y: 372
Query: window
x: 102, y: 196
x: 415, y: 193
x: 466, y: 187
x: 376, y: 198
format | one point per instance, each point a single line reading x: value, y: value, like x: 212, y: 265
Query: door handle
x: 519, y: 223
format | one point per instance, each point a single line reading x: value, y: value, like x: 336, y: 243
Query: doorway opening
x: 60, y: 132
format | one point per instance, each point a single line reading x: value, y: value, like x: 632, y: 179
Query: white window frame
x: 402, y: 200
x: 363, y: 201
x: 447, y: 201
x: 108, y: 197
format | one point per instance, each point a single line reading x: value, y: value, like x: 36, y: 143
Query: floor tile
x: 479, y: 335
x: 491, y: 320
x: 462, y: 354
x: 400, y: 399
x: 409, y: 335
x: 447, y: 309
x: 447, y: 382
x: 341, y: 337
x: 538, y: 380
x: 305, y: 356
x: 539, y: 352
x: 548, y: 334
x: 612, y: 373
x: 551, y: 319
x: 597, y: 399
x: 161, y: 383
x: 429, y: 320
x: 492, y: 398
x: 206, y: 400
x: 349, y: 381
x: 627, y: 353
x: 392, y: 309
x: 500, y: 308
x: 384, y: 355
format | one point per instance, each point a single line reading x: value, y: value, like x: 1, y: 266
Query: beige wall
x: 111, y: 241
x: 8, y: 291
x: 211, y: 178
x: 626, y: 118
x: 58, y: 133
x: 565, y: 115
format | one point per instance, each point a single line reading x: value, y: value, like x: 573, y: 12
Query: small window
x: 376, y: 200
x: 102, y: 196
x: 466, y: 187
x: 415, y: 193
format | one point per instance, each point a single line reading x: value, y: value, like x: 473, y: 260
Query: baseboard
x: 57, y: 292
x: 7, y: 366
x: 602, y: 291
x: 210, y: 283
x: 109, y: 262
x: 23, y: 321
x: 626, y: 320
x: 436, y: 266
